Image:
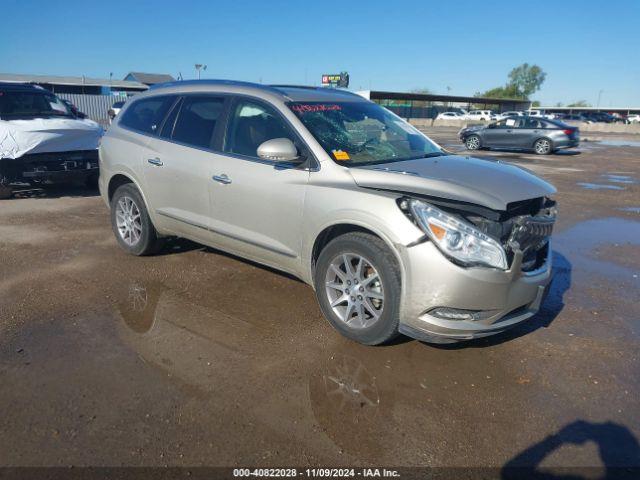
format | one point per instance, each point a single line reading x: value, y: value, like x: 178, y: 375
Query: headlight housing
x: 457, y: 239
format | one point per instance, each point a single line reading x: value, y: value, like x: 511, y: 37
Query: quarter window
x: 146, y: 115
x: 197, y: 120
x: 252, y: 124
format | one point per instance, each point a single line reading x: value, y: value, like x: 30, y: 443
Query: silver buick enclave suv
x: 394, y: 234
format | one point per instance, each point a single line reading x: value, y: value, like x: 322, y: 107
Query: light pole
x: 200, y: 66
x: 599, y: 95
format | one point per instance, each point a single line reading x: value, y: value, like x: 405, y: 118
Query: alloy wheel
x: 543, y: 146
x: 473, y: 143
x: 354, y: 289
x: 128, y: 221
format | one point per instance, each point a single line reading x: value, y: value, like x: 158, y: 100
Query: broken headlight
x: 458, y: 239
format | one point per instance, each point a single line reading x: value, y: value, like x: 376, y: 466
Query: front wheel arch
x: 337, y: 229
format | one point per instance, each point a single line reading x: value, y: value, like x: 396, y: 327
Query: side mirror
x: 491, y: 125
x: 278, y: 150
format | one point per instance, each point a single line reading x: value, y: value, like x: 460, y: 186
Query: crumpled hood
x: 482, y: 182
x: 40, y: 135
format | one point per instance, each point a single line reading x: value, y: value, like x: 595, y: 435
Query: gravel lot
x: 195, y: 357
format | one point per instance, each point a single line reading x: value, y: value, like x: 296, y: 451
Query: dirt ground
x: 194, y: 357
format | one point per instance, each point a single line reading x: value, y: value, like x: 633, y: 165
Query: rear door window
x: 170, y: 121
x: 197, y: 120
x: 146, y: 115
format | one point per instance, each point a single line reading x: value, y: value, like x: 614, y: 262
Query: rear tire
x: 364, y: 303
x: 543, y: 146
x: 472, y: 142
x: 131, y: 223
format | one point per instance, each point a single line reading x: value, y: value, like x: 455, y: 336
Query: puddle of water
x: 579, y: 243
x: 620, y: 143
x: 619, y: 178
x: 599, y: 186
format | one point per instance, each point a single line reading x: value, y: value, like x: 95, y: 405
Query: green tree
x: 508, y: 91
x: 526, y: 79
x: 579, y: 103
x: 523, y: 81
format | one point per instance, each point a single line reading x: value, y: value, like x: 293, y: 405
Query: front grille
x: 60, y: 161
x: 531, y: 235
x: 525, y: 226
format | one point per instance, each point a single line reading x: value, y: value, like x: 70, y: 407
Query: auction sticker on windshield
x: 340, y: 155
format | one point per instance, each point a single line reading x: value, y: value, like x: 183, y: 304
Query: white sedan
x: 450, y: 116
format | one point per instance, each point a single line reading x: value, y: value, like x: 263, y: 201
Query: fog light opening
x: 448, y: 313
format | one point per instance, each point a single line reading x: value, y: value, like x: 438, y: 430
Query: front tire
x: 5, y: 189
x: 5, y: 192
x: 543, y: 146
x: 357, y: 281
x: 131, y: 223
x: 472, y: 142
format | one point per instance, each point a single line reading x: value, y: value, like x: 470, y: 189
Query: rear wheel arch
x: 533, y: 145
x: 542, y: 138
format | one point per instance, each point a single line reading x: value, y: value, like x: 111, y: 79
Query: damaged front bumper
x: 446, y: 303
x: 55, y: 166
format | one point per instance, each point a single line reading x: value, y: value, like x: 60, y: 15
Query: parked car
x: 450, y: 116
x: 602, y: 117
x: 480, y: 115
x: 633, y: 118
x: 509, y: 114
x: 394, y: 234
x: 543, y: 136
x: 74, y: 110
x: 114, y: 110
x: 512, y: 113
x: 539, y: 114
x: 573, y: 117
x: 41, y: 139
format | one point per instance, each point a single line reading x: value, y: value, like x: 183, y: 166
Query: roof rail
x: 230, y: 83
x: 308, y: 87
x: 312, y: 87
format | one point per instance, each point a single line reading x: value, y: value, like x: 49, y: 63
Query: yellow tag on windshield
x: 340, y: 155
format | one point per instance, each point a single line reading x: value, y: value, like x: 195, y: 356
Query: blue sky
x: 468, y: 46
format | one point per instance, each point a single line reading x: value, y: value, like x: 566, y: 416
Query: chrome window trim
x: 314, y: 162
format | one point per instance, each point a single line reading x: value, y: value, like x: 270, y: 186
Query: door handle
x: 222, y: 179
x: 509, y: 131
x: 155, y: 161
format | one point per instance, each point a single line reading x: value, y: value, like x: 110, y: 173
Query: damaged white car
x: 42, y: 141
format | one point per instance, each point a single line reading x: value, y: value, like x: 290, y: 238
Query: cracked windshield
x: 363, y: 133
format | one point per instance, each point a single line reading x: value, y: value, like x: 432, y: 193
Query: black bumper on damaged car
x: 57, y: 166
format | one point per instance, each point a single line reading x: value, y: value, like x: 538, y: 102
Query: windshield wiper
x: 426, y: 155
